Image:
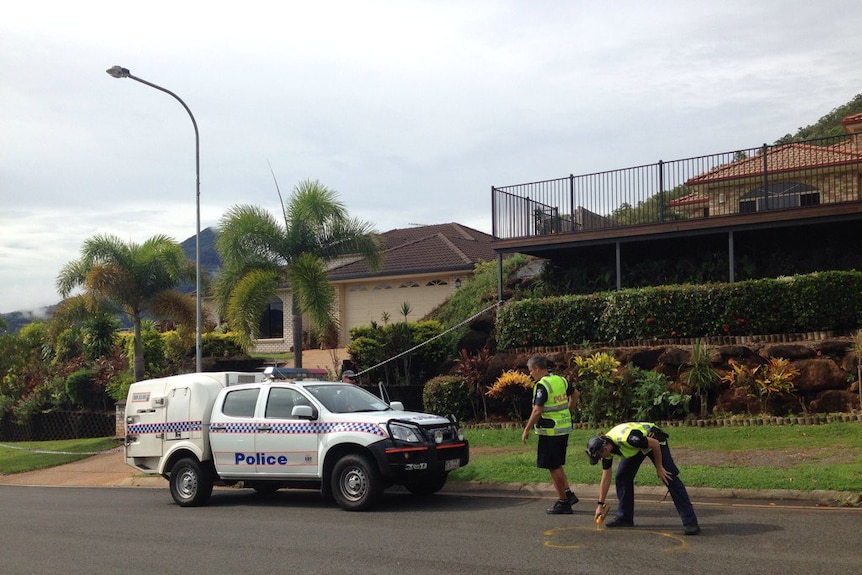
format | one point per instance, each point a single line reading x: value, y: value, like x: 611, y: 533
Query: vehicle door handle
x: 217, y: 427
x: 264, y: 428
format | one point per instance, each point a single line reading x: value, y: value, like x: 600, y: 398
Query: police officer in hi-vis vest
x: 553, y: 399
x: 634, y: 442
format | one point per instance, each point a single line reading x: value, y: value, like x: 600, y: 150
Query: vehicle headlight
x: 406, y: 433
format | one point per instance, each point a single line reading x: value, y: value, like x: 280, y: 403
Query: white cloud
x: 411, y: 109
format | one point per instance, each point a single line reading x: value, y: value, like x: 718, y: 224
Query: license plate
x: 452, y: 464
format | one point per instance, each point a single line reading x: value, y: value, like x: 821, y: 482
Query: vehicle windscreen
x: 346, y: 398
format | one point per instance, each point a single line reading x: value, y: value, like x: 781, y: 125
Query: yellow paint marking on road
x: 556, y: 538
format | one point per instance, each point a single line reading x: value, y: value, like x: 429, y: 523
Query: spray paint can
x: 601, y: 518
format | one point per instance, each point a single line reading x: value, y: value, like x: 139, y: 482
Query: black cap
x: 594, y: 449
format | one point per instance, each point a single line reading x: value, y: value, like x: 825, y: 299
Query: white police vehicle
x: 261, y: 431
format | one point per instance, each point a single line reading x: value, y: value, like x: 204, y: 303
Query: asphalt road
x: 115, y: 530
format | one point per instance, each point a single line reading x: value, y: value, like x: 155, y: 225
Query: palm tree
x: 133, y: 279
x: 259, y: 254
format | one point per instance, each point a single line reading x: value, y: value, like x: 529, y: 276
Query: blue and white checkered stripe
x: 304, y: 427
x: 252, y: 427
x: 166, y: 427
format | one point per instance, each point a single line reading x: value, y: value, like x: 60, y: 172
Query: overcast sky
x: 410, y: 110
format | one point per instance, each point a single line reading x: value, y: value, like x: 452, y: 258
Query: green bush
x: 826, y: 300
x: 118, y: 387
x: 812, y: 302
x: 548, y: 321
x: 220, y: 345
x: 652, y: 400
x: 373, y: 344
x: 80, y: 387
x: 605, y: 393
x: 447, y: 394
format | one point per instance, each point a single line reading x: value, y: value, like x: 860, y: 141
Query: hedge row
x: 813, y: 302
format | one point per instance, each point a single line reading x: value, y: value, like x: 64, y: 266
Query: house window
x: 779, y: 196
x: 382, y: 286
x: 409, y: 285
x: 437, y: 283
x: 272, y: 320
x: 358, y: 288
x: 809, y: 199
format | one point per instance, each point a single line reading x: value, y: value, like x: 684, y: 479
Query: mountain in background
x: 210, y: 260
x: 828, y: 125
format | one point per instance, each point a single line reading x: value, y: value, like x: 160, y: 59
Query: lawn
x: 30, y: 455
x: 804, y: 457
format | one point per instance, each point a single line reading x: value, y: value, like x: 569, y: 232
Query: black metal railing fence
x: 795, y: 175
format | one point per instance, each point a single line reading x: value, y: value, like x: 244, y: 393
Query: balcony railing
x: 762, y: 179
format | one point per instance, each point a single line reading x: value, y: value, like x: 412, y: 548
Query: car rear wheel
x: 191, y: 482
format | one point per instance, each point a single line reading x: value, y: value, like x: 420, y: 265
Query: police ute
x: 280, y: 429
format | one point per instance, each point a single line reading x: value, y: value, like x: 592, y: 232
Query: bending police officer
x: 634, y: 442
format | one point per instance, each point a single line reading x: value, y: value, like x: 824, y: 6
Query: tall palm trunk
x: 139, y: 348
x: 296, y: 325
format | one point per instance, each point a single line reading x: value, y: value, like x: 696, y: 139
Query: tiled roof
x: 689, y: 200
x: 441, y: 247
x: 854, y: 119
x: 787, y: 158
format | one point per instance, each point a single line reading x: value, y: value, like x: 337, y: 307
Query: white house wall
x: 367, y: 301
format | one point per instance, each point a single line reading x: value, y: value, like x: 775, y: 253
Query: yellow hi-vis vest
x: 556, y: 407
x: 621, y: 432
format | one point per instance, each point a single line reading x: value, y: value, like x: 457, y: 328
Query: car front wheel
x: 356, y: 484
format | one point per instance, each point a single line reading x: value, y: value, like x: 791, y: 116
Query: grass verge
x: 804, y: 457
x: 31, y: 455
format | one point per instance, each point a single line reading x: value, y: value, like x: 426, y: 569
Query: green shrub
x: 651, y: 398
x: 447, y: 394
x: 373, y: 344
x: 812, y: 302
x: 549, y: 321
x: 605, y: 395
x: 80, y: 387
x: 118, y: 387
x: 220, y: 345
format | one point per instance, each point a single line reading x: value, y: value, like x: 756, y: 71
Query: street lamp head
x: 118, y: 72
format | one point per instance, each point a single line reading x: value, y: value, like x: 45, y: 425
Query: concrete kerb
x: 588, y: 493
x: 110, y: 470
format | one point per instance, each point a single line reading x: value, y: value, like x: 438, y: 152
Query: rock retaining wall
x: 827, y: 381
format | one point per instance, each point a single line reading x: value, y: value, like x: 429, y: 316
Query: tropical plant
x: 511, y: 387
x: 99, y: 335
x: 765, y: 381
x: 857, y: 350
x: 261, y: 253
x: 138, y: 280
x: 701, y: 376
x: 472, y: 368
x: 604, y: 395
x: 775, y: 378
x: 652, y: 400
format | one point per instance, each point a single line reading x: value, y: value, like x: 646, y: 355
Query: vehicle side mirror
x: 302, y: 412
x: 396, y: 406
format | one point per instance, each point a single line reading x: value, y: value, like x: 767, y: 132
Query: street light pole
x: 120, y: 72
